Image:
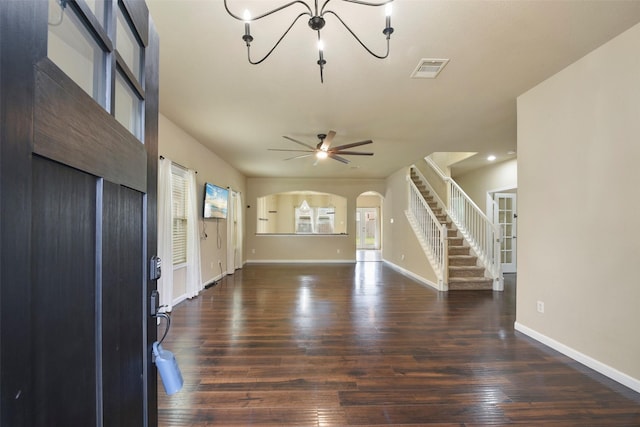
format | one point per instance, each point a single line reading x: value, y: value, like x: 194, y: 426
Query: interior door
x: 78, y: 197
x: 505, y: 216
x: 367, y: 224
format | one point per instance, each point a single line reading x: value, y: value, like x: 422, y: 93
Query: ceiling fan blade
x: 353, y: 153
x: 288, y: 149
x: 326, y: 143
x: 298, y: 157
x: 353, y: 144
x: 300, y: 142
x: 338, y: 158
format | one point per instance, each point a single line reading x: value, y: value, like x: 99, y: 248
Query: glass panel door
x: 505, y: 217
x: 367, y: 236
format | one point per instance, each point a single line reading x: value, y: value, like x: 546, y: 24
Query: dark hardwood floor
x: 360, y: 344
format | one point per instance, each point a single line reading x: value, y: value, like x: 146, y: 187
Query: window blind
x: 179, y: 214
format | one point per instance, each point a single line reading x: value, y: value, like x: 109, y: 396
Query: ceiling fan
x: 323, y: 149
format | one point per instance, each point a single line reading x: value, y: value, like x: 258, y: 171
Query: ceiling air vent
x: 429, y: 68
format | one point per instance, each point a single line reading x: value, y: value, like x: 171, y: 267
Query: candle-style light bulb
x: 247, y: 20
x: 247, y: 29
x: 320, y: 45
x: 387, y: 12
x: 388, y: 29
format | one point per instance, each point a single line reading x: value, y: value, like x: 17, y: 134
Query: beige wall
x: 499, y: 176
x: 369, y: 201
x: 401, y: 247
x: 579, y: 232
x: 300, y: 248
x: 177, y: 145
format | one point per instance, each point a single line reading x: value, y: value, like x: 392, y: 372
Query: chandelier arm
x: 277, y: 43
x: 356, y: 37
x: 367, y: 3
x: 239, y: 18
x: 323, y: 6
x: 364, y: 3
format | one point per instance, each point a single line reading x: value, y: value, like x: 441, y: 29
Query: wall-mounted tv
x: 215, y: 201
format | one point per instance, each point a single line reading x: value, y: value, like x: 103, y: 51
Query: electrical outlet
x: 402, y: 257
x: 540, y: 307
x: 338, y: 250
x: 253, y: 251
x: 212, y: 265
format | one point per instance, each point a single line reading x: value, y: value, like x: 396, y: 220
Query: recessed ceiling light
x: 491, y: 158
x: 511, y: 153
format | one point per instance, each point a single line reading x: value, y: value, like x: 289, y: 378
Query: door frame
x: 491, y: 214
x: 23, y: 51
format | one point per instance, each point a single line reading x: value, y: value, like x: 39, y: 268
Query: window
x: 179, y: 214
x: 80, y: 45
x: 128, y: 107
x: 129, y: 93
x: 72, y: 48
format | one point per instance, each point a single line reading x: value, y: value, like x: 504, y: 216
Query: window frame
x: 112, y: 65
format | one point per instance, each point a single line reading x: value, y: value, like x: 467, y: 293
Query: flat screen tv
x: 215, y: 201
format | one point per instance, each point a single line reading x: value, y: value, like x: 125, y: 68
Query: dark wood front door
x: 78, y: 195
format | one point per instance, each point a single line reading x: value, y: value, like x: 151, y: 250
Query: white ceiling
x: 497, y: 51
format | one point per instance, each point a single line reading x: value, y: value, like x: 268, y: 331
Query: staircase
x: 464, y: 271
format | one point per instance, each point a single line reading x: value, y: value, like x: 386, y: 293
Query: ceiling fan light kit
x: 323, y: 149
x: 316, y: 22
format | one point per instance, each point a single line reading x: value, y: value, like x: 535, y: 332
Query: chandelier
x: 316, y: 23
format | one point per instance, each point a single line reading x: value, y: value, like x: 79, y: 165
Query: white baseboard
x: 301, y: 261
x: 412, y: 275
x: 179, y: 299
x: 606, y: 370
x: 213, y: 279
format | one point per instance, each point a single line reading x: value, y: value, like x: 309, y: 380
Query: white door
x: 504, y: 215
x: 367, y: 224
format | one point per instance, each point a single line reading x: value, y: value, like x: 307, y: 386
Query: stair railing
x: 431, y: 233
x: 482, y: 235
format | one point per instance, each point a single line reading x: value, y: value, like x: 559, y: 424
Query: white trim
x: 414, y: 276
x: 213, y: 279
x: 300, y: 261
x: 606, y: 370
x: 179, y: 299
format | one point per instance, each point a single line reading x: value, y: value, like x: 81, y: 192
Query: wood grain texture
x: 72, y: 129
x: 64, y: 294
x: 338, y: 345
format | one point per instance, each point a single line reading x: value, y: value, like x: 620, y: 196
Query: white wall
x: 175, y: 144
x: 578, y: 177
